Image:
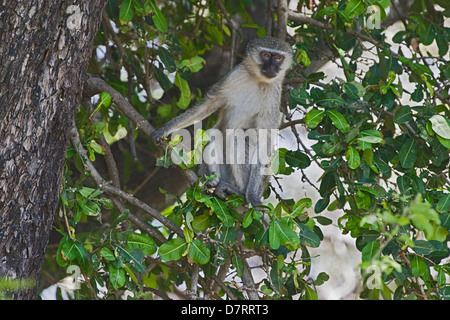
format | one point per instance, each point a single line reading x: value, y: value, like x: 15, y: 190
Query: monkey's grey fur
x: 247, y: 98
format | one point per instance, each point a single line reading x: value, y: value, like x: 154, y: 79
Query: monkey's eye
x: 278, y: 57
x: 265, y: 55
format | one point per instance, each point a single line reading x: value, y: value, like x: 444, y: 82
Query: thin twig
x: 283, y: 13
x: 113, y: 191
x: 194, y: 282
x: 94, y: 85
x: 233, y: 27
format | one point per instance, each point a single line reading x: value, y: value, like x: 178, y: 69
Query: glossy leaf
x: 408, y: 153
x: 403, y: 114
x: 142, y: 242
x: 418, y: 267
x: 297, y: 159
x: 221, y: 210
x: 308, y: 237
x: 116, y: 276
x: 314, y: 117
x: 440, y: 126
x: 198, y: 252
x: 126, y: 12
x: 158, y: 18
x: 353, y: 158
x: 173, y: 249
x: 281, y: 234
x: 339, y: 120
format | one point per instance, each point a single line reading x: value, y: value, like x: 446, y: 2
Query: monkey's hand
x: 224, y: 189
x: 158, y: 136
x: 253, y: 200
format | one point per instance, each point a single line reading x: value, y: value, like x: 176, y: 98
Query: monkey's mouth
x: 269, y: 74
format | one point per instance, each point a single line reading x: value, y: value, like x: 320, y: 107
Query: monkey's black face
x: 271, y: 63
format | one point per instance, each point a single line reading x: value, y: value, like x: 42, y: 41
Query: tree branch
x: 94, y: 85
x: 283, y: 13
x: 233, y: 27
x: 298, y: 17
x: 249, y: 283
x: 111, y: 190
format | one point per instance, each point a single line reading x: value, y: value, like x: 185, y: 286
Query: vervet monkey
x: 248, y: 97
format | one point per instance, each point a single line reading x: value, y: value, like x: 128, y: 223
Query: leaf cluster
x: 380, y: 134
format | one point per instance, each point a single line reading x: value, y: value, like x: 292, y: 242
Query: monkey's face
x: 268, y: 58
x: 270, y: 63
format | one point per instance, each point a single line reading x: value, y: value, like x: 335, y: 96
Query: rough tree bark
x: 45, y: 47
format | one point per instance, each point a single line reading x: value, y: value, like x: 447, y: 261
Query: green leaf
x: 311, y: 294
x: 418, y: 267
x: 426, y: 219
x: 443, y: 204
x: 369, y: 251
x: 353, y: 158
x: 403, y: 114
x: 298, y: 208
x: 444, y: 219
x: 307, y: 236
x: 158, y: 18
x: 135, y: 257
x: 278, y: 163
x: 423, y: 247
x: 408, y: 154
x: 354, y: 90
x: 302, y: 57
x: 220, y: 209
x: 281, y: 233
x: 228, y: 235
x: 126, y: 11
x: 321, y: 204
x: 198, y: 252
x: 194, y: 64
x: 182, y: 84
x: 274, y: 237
x: 440, y: 126
x: 323, y: 220
x: 370, y: 136
x: 297, y: 159
x: 339, y: 120
x: 173, y: 249
x: 201, y: 222
x: 354, y: 7
x: 168, y: 60
x: 321, y: 278
x: 107, y: 254
x: 142, y: 242
x: 162, y: 79
x: 116, y: 276
x: 444, y: 142
x: 427, y: 35
x: 72, y: 250
x: 441, y: 41
x: 248, y: 218
x: 238, y: 264
x: 314, y: 117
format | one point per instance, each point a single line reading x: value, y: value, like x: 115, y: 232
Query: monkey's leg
x: 256, y: 184
x: 224, y: 189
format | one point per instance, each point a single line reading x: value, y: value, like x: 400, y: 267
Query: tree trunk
x: 45, y: 46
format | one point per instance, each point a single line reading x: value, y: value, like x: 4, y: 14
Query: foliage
x: 9, y: 285
x: 383, y: 149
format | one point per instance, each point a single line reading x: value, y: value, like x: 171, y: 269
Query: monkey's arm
x: 197, y: 113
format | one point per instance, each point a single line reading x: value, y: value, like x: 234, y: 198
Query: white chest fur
x: 251, y: 104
